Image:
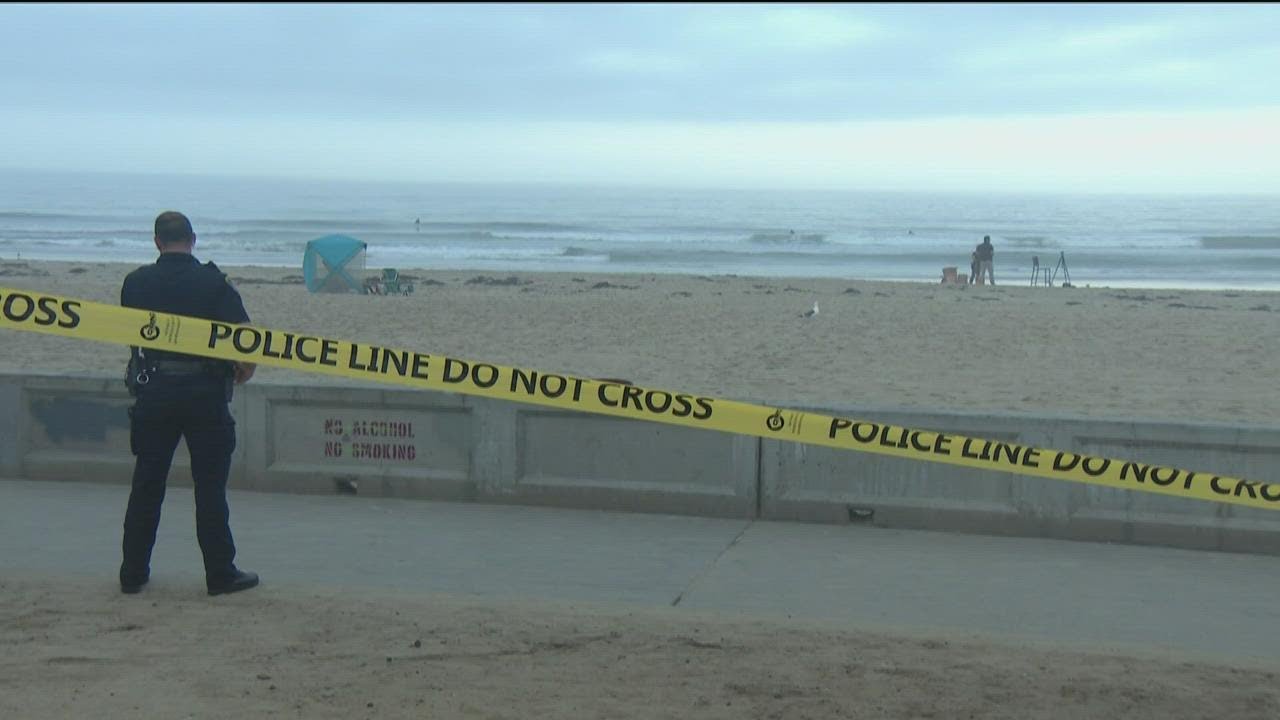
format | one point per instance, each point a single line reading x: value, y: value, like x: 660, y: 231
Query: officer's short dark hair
x: 173, y: 227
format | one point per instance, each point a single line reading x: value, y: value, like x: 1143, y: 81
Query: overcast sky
x: 1107, y: 98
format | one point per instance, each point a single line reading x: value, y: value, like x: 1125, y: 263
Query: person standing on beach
x: 182, y: 396
x: 986, y: 259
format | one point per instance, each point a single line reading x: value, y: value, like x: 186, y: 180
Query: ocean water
x: 1116, y: 241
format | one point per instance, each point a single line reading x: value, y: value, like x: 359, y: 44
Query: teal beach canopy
x: 330, y: 261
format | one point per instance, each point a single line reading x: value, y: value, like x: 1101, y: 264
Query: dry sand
x: 1175, y: 355
x: 75, y: 648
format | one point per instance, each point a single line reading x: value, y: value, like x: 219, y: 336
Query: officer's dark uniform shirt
x: 178, y: 283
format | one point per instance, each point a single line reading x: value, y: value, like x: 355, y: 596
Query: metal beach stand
x: 1062, y: 265
x: 1040, y: 273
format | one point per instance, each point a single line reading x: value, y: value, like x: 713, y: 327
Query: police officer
x: 182, y: 396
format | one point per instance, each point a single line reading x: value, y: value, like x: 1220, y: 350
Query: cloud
x: 813, y: 29
x: 1070, y: 48
x: 1116, y: 38
x: 1205, y: 152
x: 697, y: 63
x: 819, y: 95
x: 763, y: 29
x: 639, y: 62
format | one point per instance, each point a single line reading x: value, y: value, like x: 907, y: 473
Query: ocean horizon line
x: 578, y: 185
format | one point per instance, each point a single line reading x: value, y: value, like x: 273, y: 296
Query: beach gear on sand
x: 330, y: 261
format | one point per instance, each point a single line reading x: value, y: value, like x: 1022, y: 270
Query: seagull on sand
x: 810, y: 313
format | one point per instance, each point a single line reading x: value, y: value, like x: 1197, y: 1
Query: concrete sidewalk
x: 1084, y: 594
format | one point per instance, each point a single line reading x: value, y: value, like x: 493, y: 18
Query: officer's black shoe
x: 132, y: 586
x: 240, y: 581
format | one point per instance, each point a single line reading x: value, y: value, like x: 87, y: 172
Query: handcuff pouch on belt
x: 135, y: 373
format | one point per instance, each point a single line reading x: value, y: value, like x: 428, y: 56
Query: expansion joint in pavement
x: 712, y: 564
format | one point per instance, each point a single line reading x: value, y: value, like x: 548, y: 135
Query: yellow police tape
x: 51, y: 314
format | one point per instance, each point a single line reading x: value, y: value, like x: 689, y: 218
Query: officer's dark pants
x: 167, y: 409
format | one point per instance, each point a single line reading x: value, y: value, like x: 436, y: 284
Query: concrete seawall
x: 401, y: 443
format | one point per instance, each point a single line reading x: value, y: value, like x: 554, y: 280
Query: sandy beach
x: 1172, y: 355
x: 79, y: 651
x: 1175, y: 355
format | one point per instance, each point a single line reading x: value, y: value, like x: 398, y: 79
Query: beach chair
x: 392, y: 285
x: 1039, y: 273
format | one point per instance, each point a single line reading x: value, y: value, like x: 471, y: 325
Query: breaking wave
x: 1241, y: 242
